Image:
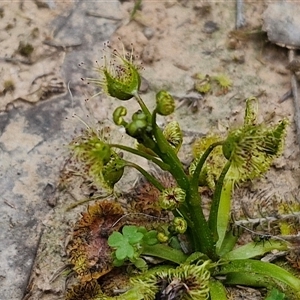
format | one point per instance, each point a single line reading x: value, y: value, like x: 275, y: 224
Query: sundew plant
x: 188, y: 254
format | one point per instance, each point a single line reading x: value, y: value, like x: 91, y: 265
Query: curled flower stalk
x: 171, y: 198
x: 173, y: 135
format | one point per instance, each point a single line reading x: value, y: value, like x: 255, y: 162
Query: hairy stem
x: 143, y: 106
x: 158, y: 162
x: 196, y: 174
x: 168, y: 155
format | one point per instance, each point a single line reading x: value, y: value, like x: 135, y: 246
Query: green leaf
x: 130, y: 251
x: 165, y: 252
x: 217, y: 290
x: 118, y: 263
x: 142, y: 229
x: 274, y: 294
x: 116, y: 239
x: 253, y: 249
x: 132, y: 234
x: 228, y: 243
x: 249, y: 279
x: 141, y: 264
x: 126, y: 251
x: 175, y: 243
x: 150, y: 237
x: 271, y: 273
x: 135, y: 238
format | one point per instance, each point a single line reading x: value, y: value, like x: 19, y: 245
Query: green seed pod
x: 118, y: 115
x: 203, y: 87
x: 165, y: 104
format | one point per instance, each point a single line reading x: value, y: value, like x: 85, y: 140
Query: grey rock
x: 282, y: 24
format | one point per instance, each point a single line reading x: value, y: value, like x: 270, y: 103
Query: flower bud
x: 165, y: 104
x: 136, y: 128
x: 139, y: 115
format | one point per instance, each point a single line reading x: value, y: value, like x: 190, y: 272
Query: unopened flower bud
x: 136, y: 127
x: 139, y: 115
x: 165, y: 104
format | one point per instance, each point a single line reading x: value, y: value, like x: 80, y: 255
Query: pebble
x: 210, y: 27
x: 148, y: 32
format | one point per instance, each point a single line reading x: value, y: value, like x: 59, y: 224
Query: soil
x: 43, y: 42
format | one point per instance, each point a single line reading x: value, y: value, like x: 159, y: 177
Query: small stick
x: 267, y: 219
x: 78, y: 203
x: 285, y: 96
x: 9, y: 204
x: 263, y: 236
x: 102, y: 16
x: 16, y: 60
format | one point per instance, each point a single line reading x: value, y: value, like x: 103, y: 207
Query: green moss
x: 8, y: 86
x: 35, y: 33
x: 9, y: 26
x: 25, y: 49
